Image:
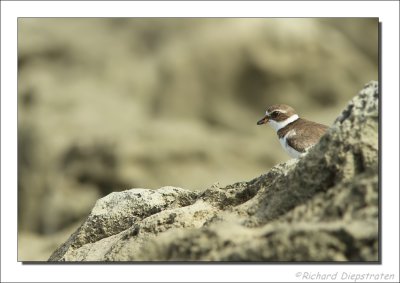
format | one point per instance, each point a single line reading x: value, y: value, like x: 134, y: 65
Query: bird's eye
x: 274, y: 114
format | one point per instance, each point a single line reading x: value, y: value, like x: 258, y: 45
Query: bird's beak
x: 264, y: 120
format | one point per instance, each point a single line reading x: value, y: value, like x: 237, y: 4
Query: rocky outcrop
x: 321, y: 207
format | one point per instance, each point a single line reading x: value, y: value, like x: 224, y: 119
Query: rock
x: 321, y: 207
x: 120, y: 211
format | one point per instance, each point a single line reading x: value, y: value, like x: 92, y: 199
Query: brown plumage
x: 304, y: 138
x: 296, y: 135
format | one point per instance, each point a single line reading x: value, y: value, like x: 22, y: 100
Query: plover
x: 296, y: 135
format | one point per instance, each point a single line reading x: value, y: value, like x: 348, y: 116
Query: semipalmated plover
x: 296, y: 135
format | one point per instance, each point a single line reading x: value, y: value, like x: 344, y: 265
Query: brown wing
x: 305, y: 138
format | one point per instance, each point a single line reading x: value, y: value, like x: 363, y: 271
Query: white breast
x: 291, y: 151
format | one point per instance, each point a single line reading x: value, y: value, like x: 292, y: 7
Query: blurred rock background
x: 110, y: 104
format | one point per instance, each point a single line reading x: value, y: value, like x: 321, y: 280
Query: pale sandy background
x: 111, y: 104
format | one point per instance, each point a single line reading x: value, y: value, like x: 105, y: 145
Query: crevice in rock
x: 359, y: 162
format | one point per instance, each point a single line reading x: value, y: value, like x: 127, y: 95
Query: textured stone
x: 321, y: 207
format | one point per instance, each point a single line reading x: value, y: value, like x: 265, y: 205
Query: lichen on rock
x: 321, y: 207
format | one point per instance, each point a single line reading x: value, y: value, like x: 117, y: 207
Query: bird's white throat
x: 281, y: 124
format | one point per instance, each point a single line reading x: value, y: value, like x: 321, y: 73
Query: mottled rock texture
x: 321, y: 207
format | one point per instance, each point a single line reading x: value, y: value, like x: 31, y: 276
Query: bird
x: 296, y: 135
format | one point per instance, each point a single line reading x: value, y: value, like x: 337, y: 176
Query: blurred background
x: 111, y: 104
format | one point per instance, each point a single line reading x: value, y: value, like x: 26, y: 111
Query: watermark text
x: 345, y: 276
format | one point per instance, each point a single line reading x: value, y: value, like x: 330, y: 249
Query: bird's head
x: 278, y: 116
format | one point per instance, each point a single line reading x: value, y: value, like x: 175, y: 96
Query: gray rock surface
x: 321, y: 207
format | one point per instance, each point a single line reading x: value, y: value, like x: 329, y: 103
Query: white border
x: 12, y: 271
